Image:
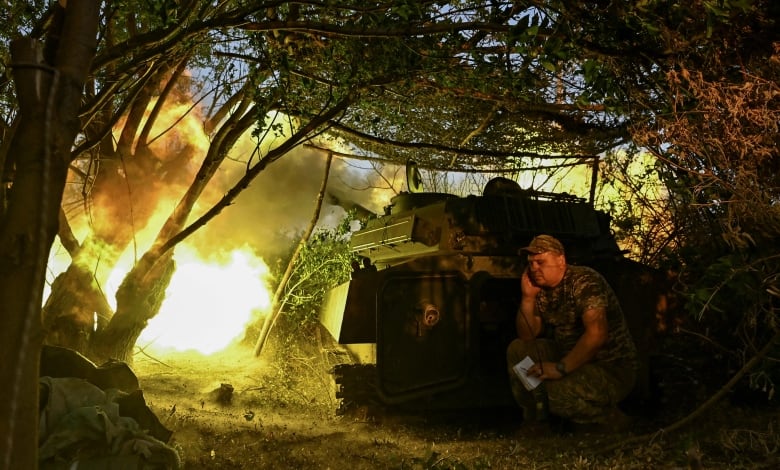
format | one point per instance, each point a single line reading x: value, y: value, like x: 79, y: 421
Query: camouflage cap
x: 543, y: 244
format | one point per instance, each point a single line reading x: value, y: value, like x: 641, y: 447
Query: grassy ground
x: 280, y: 414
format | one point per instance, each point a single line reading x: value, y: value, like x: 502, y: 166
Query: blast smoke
x: 279, y: 204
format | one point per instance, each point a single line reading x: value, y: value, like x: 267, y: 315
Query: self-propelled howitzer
x: 428, y: 315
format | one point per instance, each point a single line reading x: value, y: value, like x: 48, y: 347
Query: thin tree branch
x: 271, y: 319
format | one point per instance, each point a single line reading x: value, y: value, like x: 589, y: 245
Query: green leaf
x: 549, y: 66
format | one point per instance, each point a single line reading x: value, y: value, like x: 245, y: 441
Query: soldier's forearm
x: 583, y: 351
x: 528, y: 324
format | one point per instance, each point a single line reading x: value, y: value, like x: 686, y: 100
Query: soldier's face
x: 546, y: 269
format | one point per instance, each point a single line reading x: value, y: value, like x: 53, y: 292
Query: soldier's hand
x: 528, y: 288
x: 544, y: 371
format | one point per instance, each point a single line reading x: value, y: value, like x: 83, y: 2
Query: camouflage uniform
x: 588, y: 393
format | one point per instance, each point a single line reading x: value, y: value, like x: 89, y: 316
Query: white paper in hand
x: 521, y: 369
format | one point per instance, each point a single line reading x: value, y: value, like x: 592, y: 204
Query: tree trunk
x: 120, y: 207
x: 138, y: 300
x: 76, y: 293
x: 49, y: 93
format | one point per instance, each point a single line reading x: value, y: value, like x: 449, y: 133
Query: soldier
x: 571, y: 325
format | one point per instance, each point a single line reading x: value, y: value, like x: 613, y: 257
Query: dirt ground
x: 280, y: 414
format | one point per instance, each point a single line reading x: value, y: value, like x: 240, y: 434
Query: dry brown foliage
x: 720, y: 136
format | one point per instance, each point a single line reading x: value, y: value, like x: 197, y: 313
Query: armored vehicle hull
x: 428, y: 316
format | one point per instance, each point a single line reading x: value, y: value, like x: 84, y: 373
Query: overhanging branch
x: 449, y: 149
x: 578, y: 160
